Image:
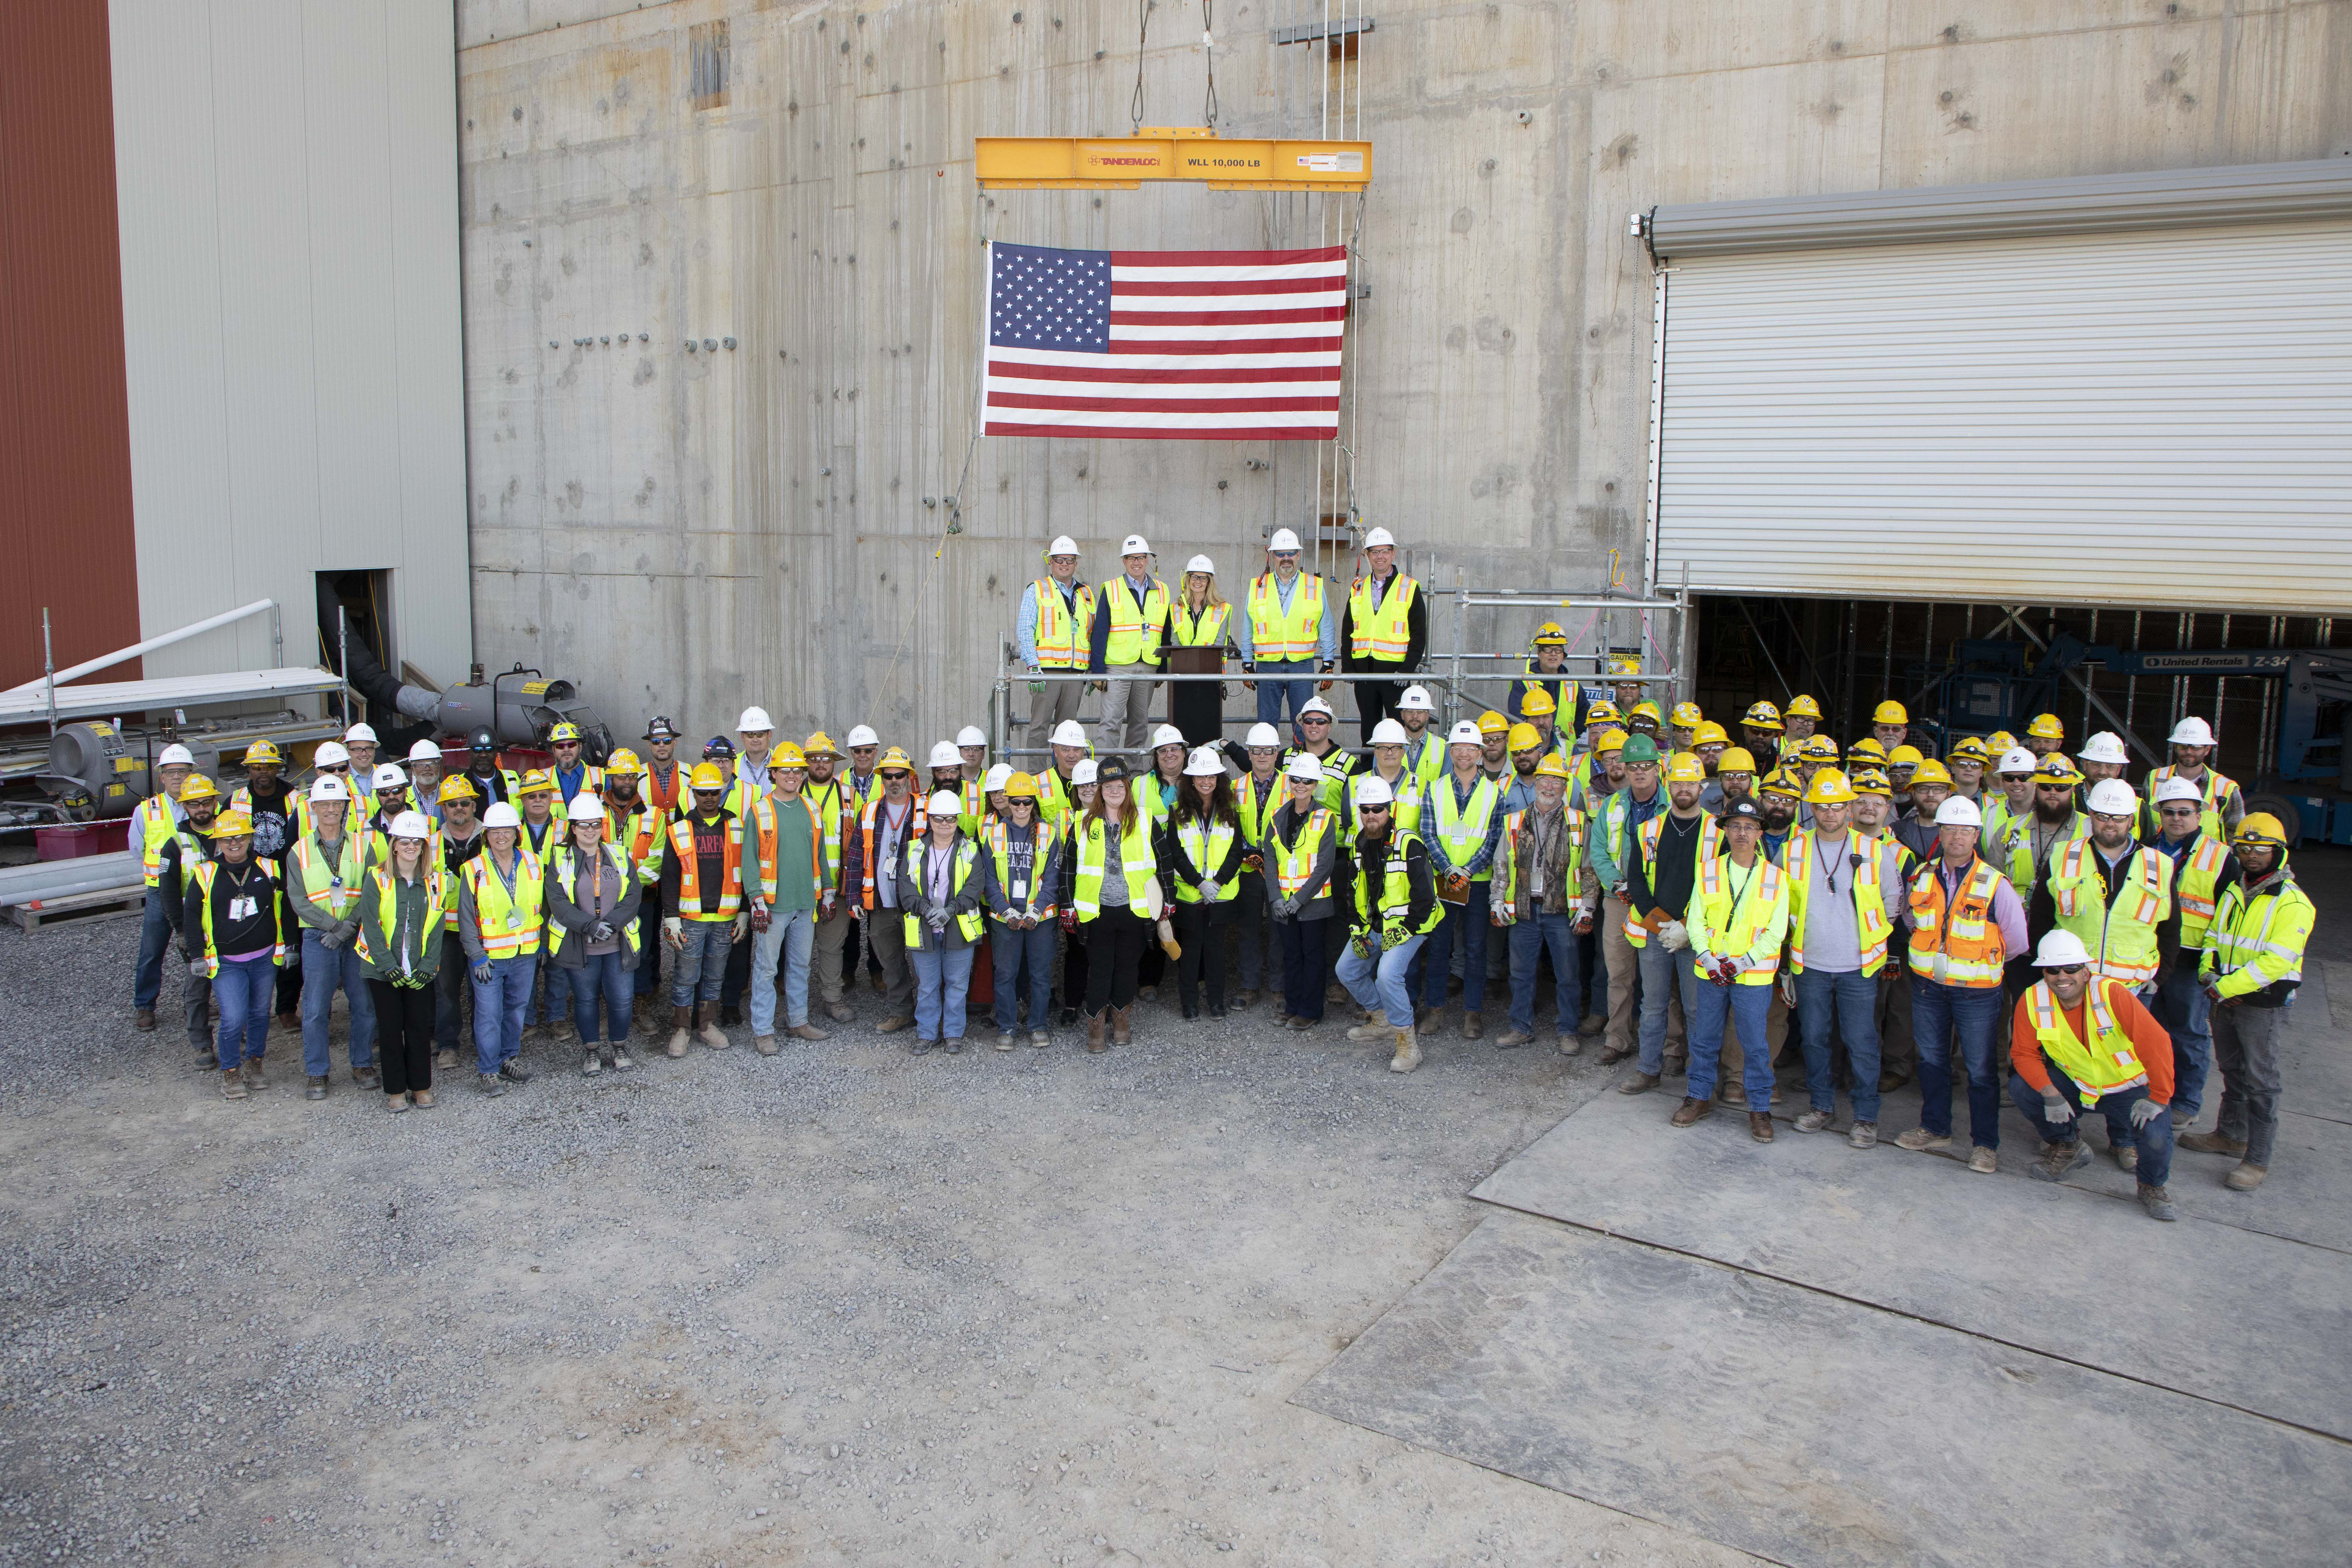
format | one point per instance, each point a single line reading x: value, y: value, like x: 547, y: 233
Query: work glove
x: 1209, y: 890
x: 1036, y: 688
x: 2055, y: 1108
x: 1363, y: 943
x: 1583, y: 920
x: 1394, y: 936
x: 674, y: 931
x: 601, y: 932
x: 331, y: 937
x: 2144, y: 1110
x: 484, y: 973
x: 1674, y: 936
x: 742, y: 924
x: 937, y: 921
x: 2213, y: 993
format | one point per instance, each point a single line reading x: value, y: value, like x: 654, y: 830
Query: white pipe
x: 135, y: 649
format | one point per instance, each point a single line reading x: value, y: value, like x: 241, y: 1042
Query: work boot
x: 1122, y: 1025
x: 207, y: 1053
x: 314, y: 1089
x: 397, y: 1103
x: 1693, y: 1110
x: 1069, y: 1017
x: 1005, y: 1039
x: 895, y: 1023
x: 764, y: 1044
x: 1639, y: 1083
x: 621, y: 1057
x: 1095, y: 1022
x: 144, y: 1020
x: 2214, y: 1143
x: 1812, y: 1121
x: 807, y: 1032
x: 1676, y: 1065
x: 1759, y: 1126
x: 1572, y: 1045
x: 367, y: 1078
x: 1245, y: 1001
x: 232, y: 1084
x: 730, y: 1016
x: 421, y: 1098
x: 591, y: 1062
x: 2156, y: 1202
x: 1473, y: 1025
x: 1919, y: 1138
x: 1372, y: 1028
x: 2060, y: 1159
x: 2246, y: 1177
x: 1422, y: 1015
x: 836, y: 1012
x: 919, y: 1047
x: 1592, y: 1023
x: 1983, y: 1160
x: 255, y: 1079
x: 1863, y: 1135
x: 710, y: 1034
x: 491, y: 1084
x: 1513, y: 1040
x: 1612, y: 1054
x: 681, y: 1019
x: 2127, y: 1156
x: 446, y: 1061
x: 1408, y: 1051
x: 1040, y: 1038
x: 513, y: 1071
x: 1892, y: 1078
x: 955, y: 1045
x: 1191, y: 1012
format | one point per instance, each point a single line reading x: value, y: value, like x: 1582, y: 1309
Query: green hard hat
x: 1640, y: 749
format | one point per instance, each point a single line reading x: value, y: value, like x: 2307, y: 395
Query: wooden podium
x: 1200, y: 696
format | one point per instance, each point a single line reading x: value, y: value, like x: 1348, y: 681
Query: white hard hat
x: 2105, y: 747
x: 390, y: 776
x: 1389, y: 732
x: 2018, y: 760
x: 359, y: 733
x: 2191, y: 732
x: 328, y: 754
x: 2112, y: 797
x: 1378, y: 537
x: 754, y: 719
x: 2178, y: 789
x: 1205, y: 763
x: 863, y: 735
x: 1417, y: 698
x: 586, y: 807
x: 411, y: 824
x: 1315, y: 705
x: 1283, y: 539
x: 1261, y: 735
x: 2060, y: 949
x: 945, y: 756
x: 1063, y: 545
x: 1374, y: 790
x: 1465, y: 733
x: 1203, y: 564
x: 500, y: 815
x: 998, y: 778
x: 970, y: 735
x: 1083, y: 772
x: 1167, y: 735
x: 945, y: 804
x: 176, y: 752
x: 1134, y: 544
x: 1069, y: 732
x: 327, y: 787
x: 1958, y: 811
x: 424, y: 751
x: 1304, y: 765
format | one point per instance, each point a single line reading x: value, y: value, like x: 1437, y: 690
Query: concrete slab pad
x: 1809, y: 1429
x: 2211, y: 1309
x: 2316, y: 1053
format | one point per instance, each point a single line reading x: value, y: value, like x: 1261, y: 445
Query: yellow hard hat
x: 1803, y: 707
x: 708, y: 776
x: 1021, y: 787
x: 458, y: 787
x: 1493, y: 724
x: 820, y: 745
x: 1685, y: 768
x: 1710, y: 734
x: 536, y: 781
x: 1686, y: 715
x: 1548, y: 635
x: 1829, y: 788
x: 264, y: 752
x: 1537, y: 700
x: 624, y: 764
x: 1736, y: 760
x: 896, y: 757
x: 1522, y: 737
x: 1601, y: 712
x: 2047, y: 727
x: 1552, y: 766
x: 1762, y: 716
x: 1889, y: 714
x: 2056, y: 770
x: 563, y: 733
x: 1777, y: 782
x: 1905, y: 756
x: 1649, y: 707
x: 1930, y: 770
x: 1870, y: 780
x: 1820, y: 749
x: 1624, y: 664
x: 1609, y: 740
x: 1971, y: 747
x: 2260, y: 827
x: 1866, y: 748
x: 198, y: 787
x: 2000, y: 743
x: 786, y: 755
x: 234, y: 824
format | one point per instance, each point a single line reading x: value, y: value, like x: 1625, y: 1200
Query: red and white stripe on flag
x: 1205, y: 345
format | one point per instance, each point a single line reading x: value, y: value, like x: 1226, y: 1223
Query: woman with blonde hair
x: 1199, y: 620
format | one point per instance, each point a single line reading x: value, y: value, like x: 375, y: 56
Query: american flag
x: 1198, y: 345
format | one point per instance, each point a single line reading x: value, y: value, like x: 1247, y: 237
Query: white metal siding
x: 287, y: 180
x: 2162, y: 418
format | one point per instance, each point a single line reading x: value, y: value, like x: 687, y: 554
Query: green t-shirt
x: 795, y: 878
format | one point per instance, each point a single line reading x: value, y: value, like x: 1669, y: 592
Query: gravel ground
x: 844, y: 1306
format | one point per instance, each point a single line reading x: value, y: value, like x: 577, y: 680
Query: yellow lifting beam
x: 1168, y: 152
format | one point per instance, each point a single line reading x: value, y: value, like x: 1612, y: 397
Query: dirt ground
x: 843, y: 1305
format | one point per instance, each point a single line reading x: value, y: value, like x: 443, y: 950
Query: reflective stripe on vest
x: 1089, y: 836
x: 1405, y: 805
x: 1737, y: 918
x: 562, y: 867
x: 1205, y: 630
x: 1128, y: 643
x: 2119, y: 931
x: 1463, y: 828
x: 1294, y: 862
x: 508, y: 923
x: 1208, y: 848
x: 1396, y: 890
x: 870, y: 820
x: 1257, y: 815
x: 1382, y: 633
x: 2232, y: 950
x: 1965, y: 950
x: 2100, y: 1066
x: 825, y: 800
x: 335, y: 888
x: 2193, y: 883
x: 437, y: 906
x: 645, y: 835
x: 1870, y: 921
x: 205, y: 872
x: 1572, y: 878
x: 1034, y: 898
x: 2214, y: 791
x: 1060, y: 636
x: 156, y: 822
x: 1280, y: 635
x: 964, y: 855
x: 693, y: 902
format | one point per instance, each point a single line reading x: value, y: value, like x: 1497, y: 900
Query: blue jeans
x: 940, y: 980
x: 323, y: 969
x: 699, y: 968
x: 611, y: 976
x: 2181, y: 1007
x: 1468, y: 920
x: 1937, y: 1013
x: 792, y: 934
x: 1851, y: 1000
x: 1667, y: 979
x: 498, y: 1004
x: 2153, y: 1141
x: 1381, y: 979
x: 1531, y: 935
x: 1291, y: 679
x: 154, y: 936
x: 558, y: 1000
x: 1745, y: 1007
x: 1013, y: 949
x: 245, y: 990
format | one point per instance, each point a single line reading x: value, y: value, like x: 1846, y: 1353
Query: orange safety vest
x: 1959, y: 945
x: 867, y: 823
x: 1062, y: 629
x: 665, y: 801
x: 693, y: 902
x: 764, y: 824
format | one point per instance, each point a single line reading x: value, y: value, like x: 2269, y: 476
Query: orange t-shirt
x: 2149, y: 1040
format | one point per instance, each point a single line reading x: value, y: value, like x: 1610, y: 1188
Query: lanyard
x: 1739, y: 891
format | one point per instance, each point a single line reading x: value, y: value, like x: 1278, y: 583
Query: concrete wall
x: 286, y: 181
x: 689, y: 532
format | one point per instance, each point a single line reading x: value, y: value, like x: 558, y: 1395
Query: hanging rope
x: 1209, y: 53
x: 1142, y: 41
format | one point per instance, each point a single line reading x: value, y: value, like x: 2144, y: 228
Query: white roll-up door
x: 2157, y: 417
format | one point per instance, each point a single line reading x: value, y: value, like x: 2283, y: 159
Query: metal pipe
x: 49, y: 671
x: 344, y: 657
x: 135, y: 649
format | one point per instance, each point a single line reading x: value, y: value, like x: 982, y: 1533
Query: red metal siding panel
x: 65, y: 422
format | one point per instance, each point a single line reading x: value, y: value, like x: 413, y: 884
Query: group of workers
x: 1906, y: 910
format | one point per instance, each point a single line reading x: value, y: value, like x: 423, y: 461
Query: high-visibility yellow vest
x: 1641, y: 867
x: 1057, y: 797
x: 1089, y: 837
x: 642, y: 835
x: 1032, y: 898
x: 1284, y: 637
x: 1381, y: 633
x: 1206, y: 630
x: 2099, y: 1066
x: 1134, y: 631
x: 383, y: 886
x: 2194, y: 881
x: 1430, y: 765
x: 1956, y: 941
x: 1868, y: 894
x: 1396, y: 890
x: 508, y: 923
x: 1338, y: 765
x: 1507, y: 892
x: 1257, y: 810
x: 2257, y: 942
x: 1207, y: 841
x: 1156, y: 796
x: 1739, y: 914
x: 563, y: 869
x: 1061, y: 635
x: 333, y: 885
x: 695, y: 902
x: 962, y: 857
x: 2120, y: 932
x: 1404, y: 810
x: 2218, y: 791
x: 1294, y: 862
x: 205, y: 872
x: 1463, y: 828
x: 826, y: 800
x: 153, y: 822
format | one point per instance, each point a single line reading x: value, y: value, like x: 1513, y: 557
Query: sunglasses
x: 1314, y: 718
x: 334, y: 767
x: 895, y: 774
x: 2181, y: 811
x: 2066, y: 969
x: 1285, y: 555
